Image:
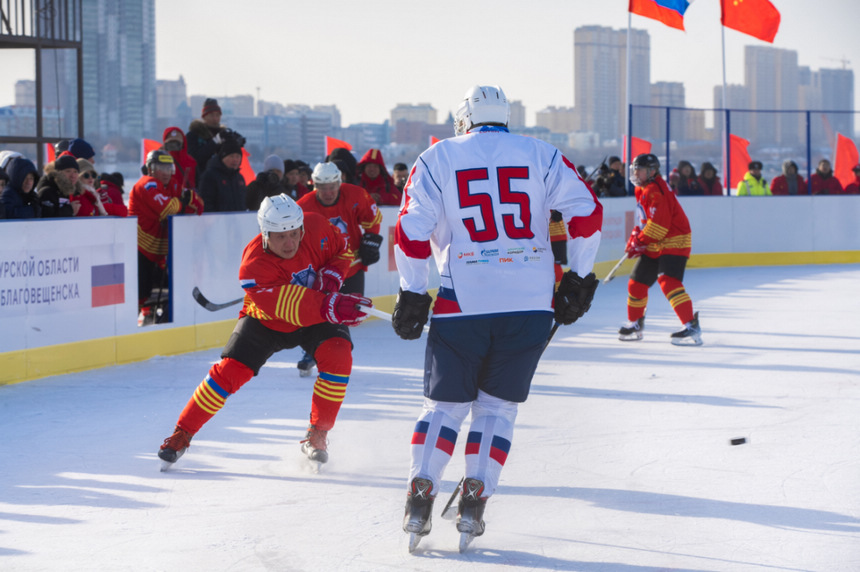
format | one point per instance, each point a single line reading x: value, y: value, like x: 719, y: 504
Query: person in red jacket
x: 853, y: 188
x: 152, y: 200
x: 823, y: 181
x: 662, y: 245
x: 374, y: 177
x: 351, y: 210
x: 789, y: 183
x: 291, y: 273
x: 710, y: 181
x: 110, y: 191
x: 185, y: 176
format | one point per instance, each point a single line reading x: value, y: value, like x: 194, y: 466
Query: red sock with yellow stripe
x: 674, y: 291
x: 334, y: 363
x: 637, y: 300
x: 224, y: 379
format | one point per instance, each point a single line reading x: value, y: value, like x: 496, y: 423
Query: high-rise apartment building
x: 771, y: 79
x: 600, y: 79
x: 420, y: 113
x: 518, y: 115
x: 837, y: 94
x: 119, y: 68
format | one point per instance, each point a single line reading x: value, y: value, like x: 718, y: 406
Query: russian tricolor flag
x: 108, y: 284
x: 670, y: 12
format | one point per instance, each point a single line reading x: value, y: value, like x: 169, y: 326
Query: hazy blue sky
x: 366, y: 57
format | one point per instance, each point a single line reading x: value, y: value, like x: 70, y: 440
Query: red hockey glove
x: 328, y: 280
x: 635, y: 247
x: 340, y: 308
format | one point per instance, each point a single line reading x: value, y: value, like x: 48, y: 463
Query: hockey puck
x: 738, y: 441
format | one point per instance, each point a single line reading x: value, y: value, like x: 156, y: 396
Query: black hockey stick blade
x: 450, y: 515
x: 212, y: 307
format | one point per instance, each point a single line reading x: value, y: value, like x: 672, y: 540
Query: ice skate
x: 306, y: 365
x: 632, y: 331
x: 174, y: 447
x: 470, y: 513
x: 691, y: 335
x: 314, y: 446
x: 417, y: 520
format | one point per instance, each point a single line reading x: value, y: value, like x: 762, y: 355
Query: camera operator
x: 610, y: 182
x: 206, y: 134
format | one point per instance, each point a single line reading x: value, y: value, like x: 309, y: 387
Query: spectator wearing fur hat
x: 753, y: 184
x: 57, y: 187
x: 19, y: 199
x: 221, y: 186
x: 789, y: 183
x: 823, y: 181
x: 269, y: 183
x: 185, y: 176
x: 374, y: 177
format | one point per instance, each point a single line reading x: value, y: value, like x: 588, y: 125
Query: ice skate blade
x: 305, y: 372
x: 635, y: 337
x: 165, y: 466
x: 414, y: 540
x: 688, y: 341
x: 466, y: 539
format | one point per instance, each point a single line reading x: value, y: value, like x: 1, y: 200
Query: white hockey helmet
x: 482, y: 104
x: 325, y: 173
x: 278, y: 214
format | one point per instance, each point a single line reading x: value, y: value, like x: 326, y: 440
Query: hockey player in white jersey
x: 480, y: 204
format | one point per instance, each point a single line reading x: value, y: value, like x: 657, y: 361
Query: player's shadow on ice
x: 692, y: 507
x: 593, y: 393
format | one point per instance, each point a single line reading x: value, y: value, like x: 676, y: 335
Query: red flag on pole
x: 433, y: 140
x: 846, y: 158
x: 758, y: 18
x: 245, y: 168
x: 50, y: 153
x: 740, y: 160
x: 670, y: 12
x: 639, y: 147
x: 331, y: 144
x: 146, y: 146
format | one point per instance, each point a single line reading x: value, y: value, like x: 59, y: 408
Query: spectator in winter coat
x: 347, y: 163
x: 852, y: 188
x: 185, y: 176
x: 221, y: 186
x: 110, y: 192
x: 753, y: 184
x: 789, y: 183
x: 823, y: 181
x: 206, y: 134
x: 269, y: 183
x: 400, y: 175
x: 87, y: 195
x: 19, y: 198
x: 292, y: 180
x: 709, y: 181
x: 374, y: 177
x: 688, y: 182
x: 57, y: 187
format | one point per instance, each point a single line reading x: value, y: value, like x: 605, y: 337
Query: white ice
x: 620, y: 462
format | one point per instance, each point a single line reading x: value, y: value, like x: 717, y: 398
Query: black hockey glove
x: 574, y: 295
x: 368, y: 250
x: 410, y: 314
x: 185, y: 198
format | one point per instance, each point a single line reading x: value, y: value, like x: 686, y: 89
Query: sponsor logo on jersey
x: 490, y: 252
x: 339, y: 223
x: 516, y: 250
x: 505, y: 260
x: 466, y: 255
x: 528, y: 258
x: 538, y: 249
x: 477, y: 261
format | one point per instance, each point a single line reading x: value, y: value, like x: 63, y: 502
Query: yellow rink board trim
x: 25, y: 365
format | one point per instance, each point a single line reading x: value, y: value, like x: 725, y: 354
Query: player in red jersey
x: 291, y: 273
x: 354, y: 213
x: 663, y: 246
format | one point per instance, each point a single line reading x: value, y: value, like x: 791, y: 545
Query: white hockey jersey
x: 480, y: 203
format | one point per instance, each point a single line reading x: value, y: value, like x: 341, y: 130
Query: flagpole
x: 627, y: 123
x: 726, y: 147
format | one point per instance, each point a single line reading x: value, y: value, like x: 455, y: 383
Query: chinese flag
x: 146, y: 146
x: 639, y: 146
x: 846, y: 159
x: 670, y: 12
x: 758, y: 18
x: 245, y: 168
x: 331, y: 144
x: 740, y: 160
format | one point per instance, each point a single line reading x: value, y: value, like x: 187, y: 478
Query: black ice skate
x: 306, y: 365
x: 174, y: 447
x: 470, y: 512
x: 691, y: 335
x: 632, y: 331
x: 315, y: 446
x: 417, y: 520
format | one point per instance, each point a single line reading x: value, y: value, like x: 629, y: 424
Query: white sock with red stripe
x: 489, y: 439
x: 434, y: 438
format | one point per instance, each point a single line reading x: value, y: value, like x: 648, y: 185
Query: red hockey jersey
x: 665, y: 228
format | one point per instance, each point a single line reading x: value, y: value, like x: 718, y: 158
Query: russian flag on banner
x: 670, y: 12
x: 108, y: 282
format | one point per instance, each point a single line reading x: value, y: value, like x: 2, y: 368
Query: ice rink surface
x: 621, y: 460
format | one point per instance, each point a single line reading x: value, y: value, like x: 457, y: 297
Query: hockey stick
x: 460, y: 484
x: 211, y: 306
x: 615, y: 268
x: 381, y: 315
